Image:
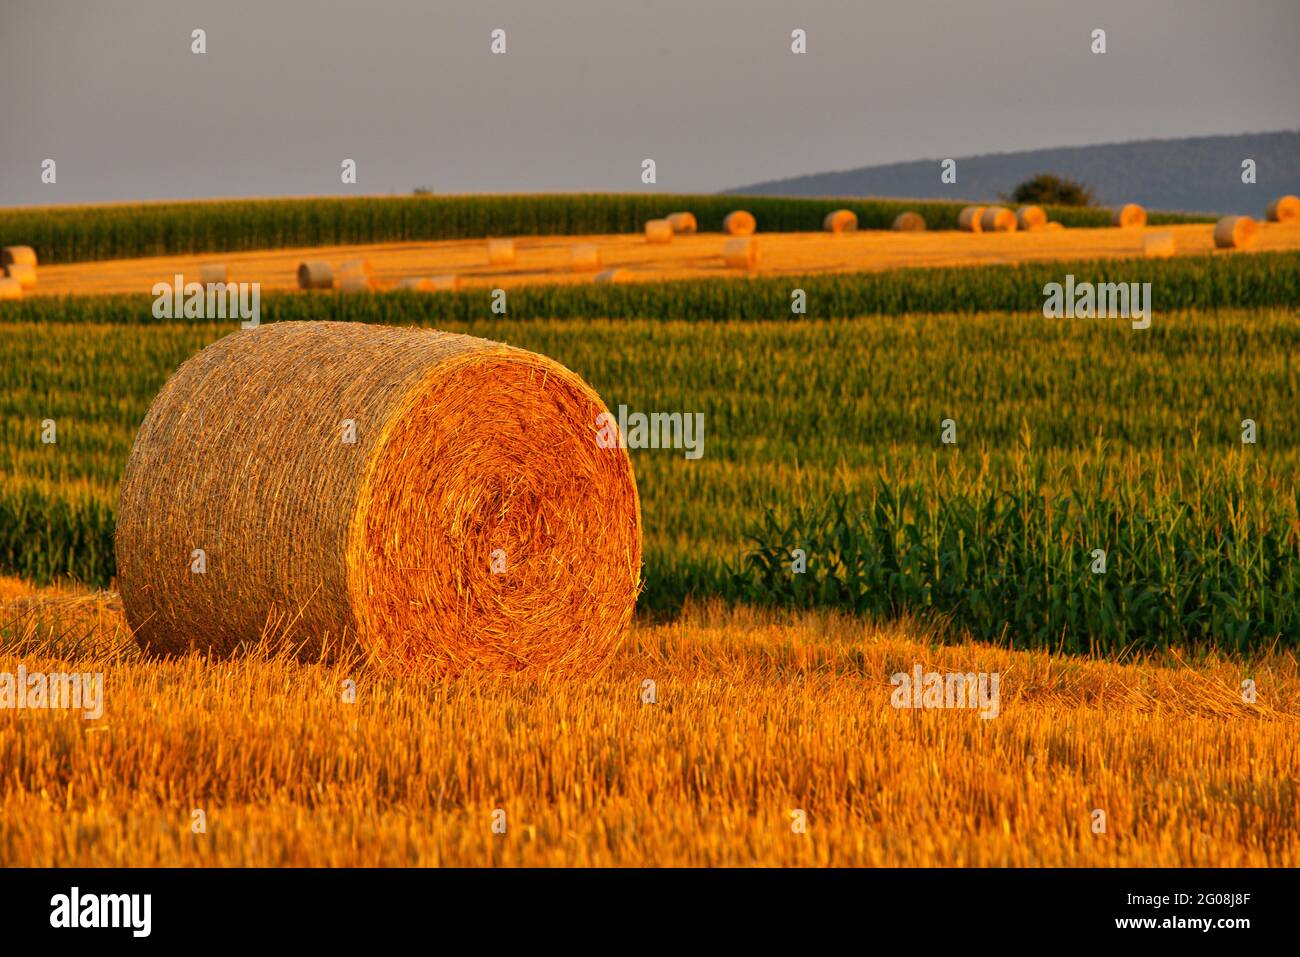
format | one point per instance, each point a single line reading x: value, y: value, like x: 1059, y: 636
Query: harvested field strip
x: 548, y: 260
x: 63, y: 234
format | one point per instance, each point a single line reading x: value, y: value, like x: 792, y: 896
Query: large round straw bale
x: 501, y: 252
x: 683, y: 224
x: 22, y: 273
x: 315, y: 274
x: 585, y: 257
x: 739, y: 223
x: 968, y: 220
x: 741, y: 253
x: 1031, y: 217
x: 998, y: 219
x: 439, y: 502
x: 11, y: 289
x: 213, y: 272
x: 21, y: 255
x: 1235, y: 232
x: 1158, y: 245
x: 909, y: 222
x: 841, y: 221
x: 613, y: 276
x: 658, y: 231
x: 1129, y: 216
x: 1284, y: 209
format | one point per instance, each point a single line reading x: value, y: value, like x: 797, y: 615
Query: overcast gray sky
x: 588, y: 88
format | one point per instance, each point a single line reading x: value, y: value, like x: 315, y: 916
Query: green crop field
x: 824, y: 434
x: 84, y: 233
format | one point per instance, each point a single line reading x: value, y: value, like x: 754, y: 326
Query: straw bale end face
x: 1284, y: 209
x: 909, y: 222
x: 1129, y: 216
x: 438, y: 502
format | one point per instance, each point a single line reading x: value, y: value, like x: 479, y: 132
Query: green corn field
x: 824, y: 434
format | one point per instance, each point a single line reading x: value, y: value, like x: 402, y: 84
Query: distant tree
x: 423, y: 191
x: 1049, y: 189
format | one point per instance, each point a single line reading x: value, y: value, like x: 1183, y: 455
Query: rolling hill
x: 1197, y: 173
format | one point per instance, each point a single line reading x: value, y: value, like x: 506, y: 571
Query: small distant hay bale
x: 501, y: 252
x: 1053, y: 225
x: 1235, y: 232
x: 741, y: 253
x: 315, y: 274
x: 10, y: 289
x: 998, y: 219
x: 430, y: 284
x: 683, y: 224
x: 841, y: 221
x: 1284, y: 209
x: 1158, y: 245
x: 213, y: 272
x: 909, y: 222
x: 23, y: 274
x: 1129, y: 216
x: 584, y: 257
x: 614, y: 276
x: 969, y: 219
x: 739, y: 223
x: 20, y: 255
x: 357, y: 265
x: 1031, y: 217
x: 658, y: 231
x: 355, y: 281
x: 437, y: 503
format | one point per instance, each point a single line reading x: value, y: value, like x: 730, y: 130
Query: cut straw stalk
x: 20, y: 255
x: 741, y: 253
x: 584, y: 257
x: 658, y: 231
x: 1235, y: 232
x: 1284, y: 209
x: 841, y: 221
x: 1031, y: 217
x: 998, y: 219
x: 683, y: 224
x: 909, y: 222
x: 739, y: 223
x: 1129, y: 216
x: 501, y: 252
x: 437, y: 502
x: 23, y: 274
x: 315, y: 274
x: 969, y: 219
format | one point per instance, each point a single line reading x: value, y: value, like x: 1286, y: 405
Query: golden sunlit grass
x: 548, y: 259
x: 755, y: 716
